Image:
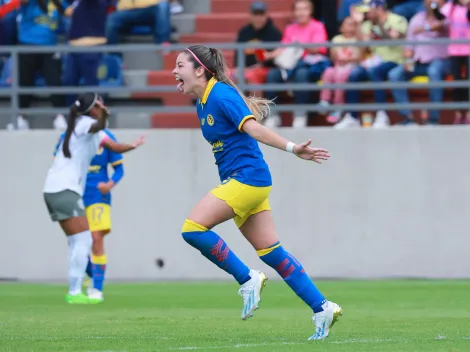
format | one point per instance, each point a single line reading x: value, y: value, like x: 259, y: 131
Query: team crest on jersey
x: 210, y: 120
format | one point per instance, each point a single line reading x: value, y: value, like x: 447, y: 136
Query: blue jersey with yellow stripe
x: 222, y: 113
x: 98, y: 172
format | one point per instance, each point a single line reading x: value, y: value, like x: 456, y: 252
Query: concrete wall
x: 390, y: 203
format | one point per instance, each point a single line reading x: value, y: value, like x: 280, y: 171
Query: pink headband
x: 200, y: 62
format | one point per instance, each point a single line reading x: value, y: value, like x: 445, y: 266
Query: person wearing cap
x: 260, y: 29
x: 381, y: 24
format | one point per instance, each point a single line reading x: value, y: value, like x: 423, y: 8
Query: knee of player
x: 191, y: 228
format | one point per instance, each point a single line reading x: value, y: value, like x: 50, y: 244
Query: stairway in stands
x: 220, y: 26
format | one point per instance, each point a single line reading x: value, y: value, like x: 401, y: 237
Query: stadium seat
x: 6, y: 74
x: 110, y: 71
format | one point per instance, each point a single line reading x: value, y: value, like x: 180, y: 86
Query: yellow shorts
x: 99, y: 217
x: 245, y: 200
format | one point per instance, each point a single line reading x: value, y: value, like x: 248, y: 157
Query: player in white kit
x: 65, y: 183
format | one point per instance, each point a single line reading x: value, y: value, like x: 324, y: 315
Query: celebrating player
x: 65, y: 183
x: 228, y: 121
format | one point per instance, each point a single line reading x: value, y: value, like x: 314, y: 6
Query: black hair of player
x: 81, y: 106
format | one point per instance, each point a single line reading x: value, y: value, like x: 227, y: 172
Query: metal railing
x: 15, y: 90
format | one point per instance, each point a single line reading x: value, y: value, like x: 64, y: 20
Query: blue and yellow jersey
x: 98, y: 172
x: 222, y: 113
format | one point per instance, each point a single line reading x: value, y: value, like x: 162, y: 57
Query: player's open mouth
x: 180, y: 85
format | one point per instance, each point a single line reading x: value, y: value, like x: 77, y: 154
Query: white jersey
x: 71, y: 173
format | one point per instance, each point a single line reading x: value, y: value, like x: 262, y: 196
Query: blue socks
x: 294, y: 275
x: 216, y: 250
x: 98, y: 268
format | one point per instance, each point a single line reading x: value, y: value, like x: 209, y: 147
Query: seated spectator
x: 154, y: 13
x: 84, y: 66
x: 458, y: 17
x: 423, y: 60
x: 381, y: 24
x: 37, y: 22
x: 260, y: 29
x: 406, y: 8
x: 308, y: 68
x: 344, y: 59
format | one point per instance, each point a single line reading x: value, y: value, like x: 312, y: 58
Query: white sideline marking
x: 238, y: 345
x: 347, y: 341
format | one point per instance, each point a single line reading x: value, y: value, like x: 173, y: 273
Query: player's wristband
x: 290, y: 147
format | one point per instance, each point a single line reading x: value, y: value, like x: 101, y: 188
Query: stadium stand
x: 204, y: 21
x: 227, y: 17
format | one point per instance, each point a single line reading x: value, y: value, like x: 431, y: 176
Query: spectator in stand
x: 154, y: 13
x: 308, y: 68
x: 381, y: 24
x: 260, y: 29
x: 345, y: 58
x: 37, y: 23
x: 424, y: 60
x: 84, y: 65
x: 405, y: 8
x: 458, y: 17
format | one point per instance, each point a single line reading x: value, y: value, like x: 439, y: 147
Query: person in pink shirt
x: 458, y: 16
x: 308, y: 68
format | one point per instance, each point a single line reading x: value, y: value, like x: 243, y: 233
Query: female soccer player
x: 229, y: 123
x: 65, y: 183
x: 97, y: 199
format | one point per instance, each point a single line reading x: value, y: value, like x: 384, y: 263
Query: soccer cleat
x: 77, y: 299
x: 324, y: 320
x: 251, y: 293
x: 95, y: 296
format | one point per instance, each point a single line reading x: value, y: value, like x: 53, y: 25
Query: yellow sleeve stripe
x: 119, y: 162
x: 245, y: 119
x: 265, y: 251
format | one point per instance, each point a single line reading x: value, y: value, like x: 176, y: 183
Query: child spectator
x: 344, y: 59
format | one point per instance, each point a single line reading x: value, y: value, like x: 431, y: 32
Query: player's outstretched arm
x: 122, y: 147
x: 271, y: 138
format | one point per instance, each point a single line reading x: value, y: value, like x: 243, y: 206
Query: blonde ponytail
x: 260, y: 107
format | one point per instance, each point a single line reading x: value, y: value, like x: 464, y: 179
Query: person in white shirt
x: 65, y: 183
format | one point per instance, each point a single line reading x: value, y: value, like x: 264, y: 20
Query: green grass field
x: 378, y: 316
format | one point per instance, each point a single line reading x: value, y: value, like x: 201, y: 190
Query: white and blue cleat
x: 325, y: 320
x: 251, y: 293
